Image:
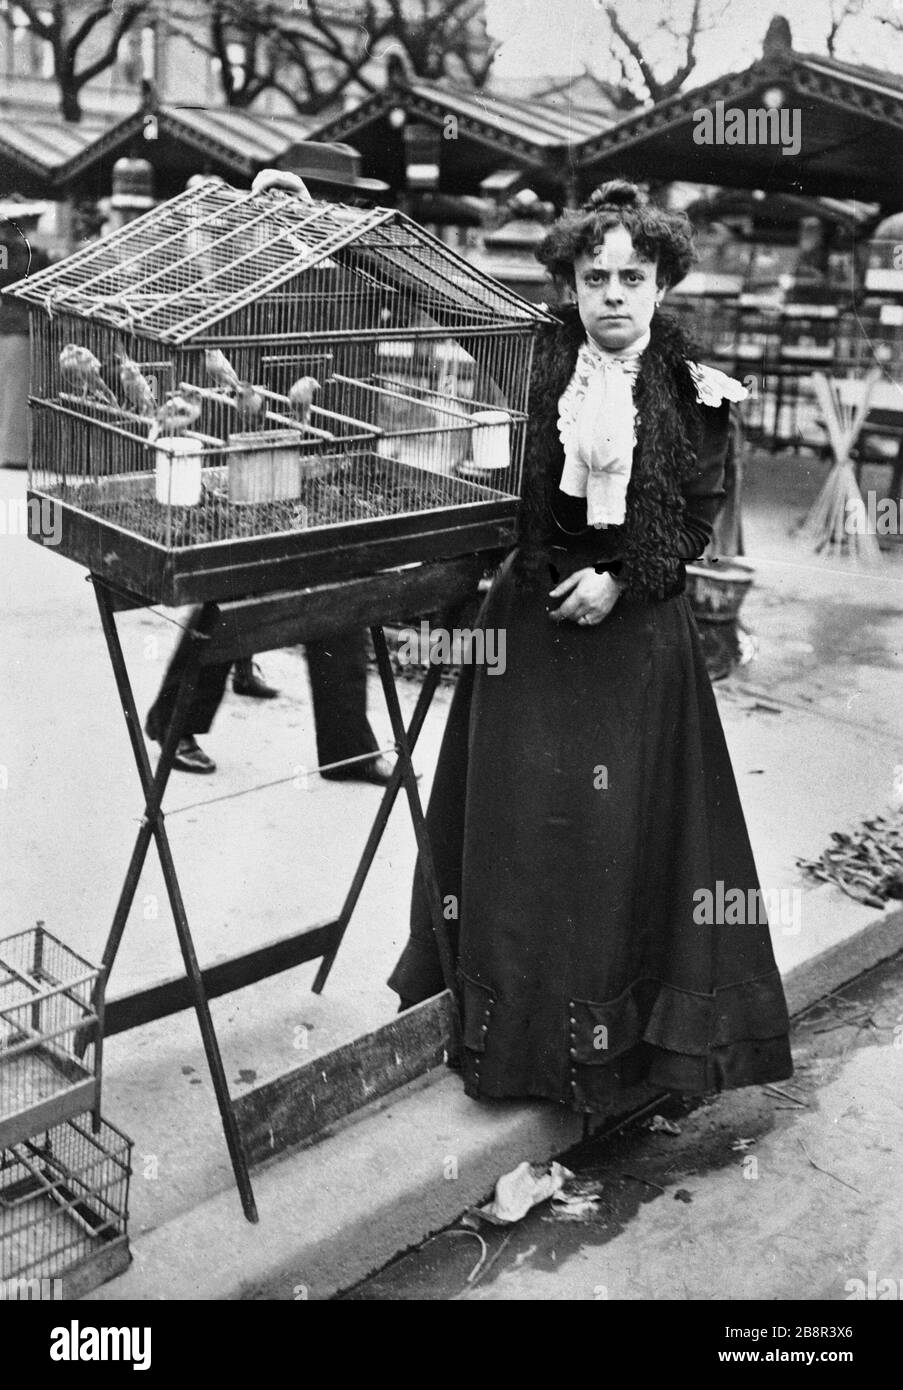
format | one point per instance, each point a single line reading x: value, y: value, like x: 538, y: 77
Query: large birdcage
x: 241, y: 392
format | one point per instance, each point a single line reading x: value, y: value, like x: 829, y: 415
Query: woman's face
x: 617, y: 291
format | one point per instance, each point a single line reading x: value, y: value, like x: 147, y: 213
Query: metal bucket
x: 716, y: 590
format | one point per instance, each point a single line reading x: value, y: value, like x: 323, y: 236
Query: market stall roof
x: 183, y: 140
x: 489, y: 132
x: 32, y: 152
x: 849, y: 120
x: 522, y: 126
x: 780, y: 209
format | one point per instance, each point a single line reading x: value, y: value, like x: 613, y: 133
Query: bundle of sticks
x: 867, y: 864
x: 838, y: 515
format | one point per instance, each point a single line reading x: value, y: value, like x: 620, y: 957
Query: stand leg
x: 427, y: 866
x: 208, y: 1033
x: 373, y: 840
x: 421, y: 709
x: 154, y: 786
x: 896, y: 482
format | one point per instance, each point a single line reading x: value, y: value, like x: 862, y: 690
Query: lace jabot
x: 597, y: 424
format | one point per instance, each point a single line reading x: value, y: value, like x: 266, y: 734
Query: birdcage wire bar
x: 51, y: 1012
x: 63, y: 1199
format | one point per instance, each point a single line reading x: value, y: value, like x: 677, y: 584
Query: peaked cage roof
x: 214, y: 250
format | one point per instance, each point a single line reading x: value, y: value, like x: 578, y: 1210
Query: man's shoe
x: 247, y: 680
x: 378, y: 771
x: 190, y: 757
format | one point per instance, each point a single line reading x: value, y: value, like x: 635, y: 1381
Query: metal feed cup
x: 178, y: 476
x: 491, y: 440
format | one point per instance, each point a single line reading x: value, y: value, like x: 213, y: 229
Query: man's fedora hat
x: 336, y: 165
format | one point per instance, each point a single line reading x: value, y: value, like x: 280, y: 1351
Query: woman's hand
x: 586, y: 598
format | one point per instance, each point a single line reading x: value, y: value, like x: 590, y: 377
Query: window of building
x: 44, y: 55
x: 28, y: 56
x: 236, y: 55
x: 149, y: 52
x: 137, y: 56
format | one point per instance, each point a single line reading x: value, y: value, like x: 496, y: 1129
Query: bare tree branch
x: 106, y: 59
x: 634, y: 49
x: 311, y: 55
x: 54, y: 26
x: 436, y: 38
x: 658, y: 88
x: 838, y: 14
x: 617, y: 94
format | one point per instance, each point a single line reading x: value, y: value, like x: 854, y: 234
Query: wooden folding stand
x: 224, y: 632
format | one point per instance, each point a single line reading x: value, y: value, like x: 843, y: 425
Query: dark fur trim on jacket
x: 668, y: 433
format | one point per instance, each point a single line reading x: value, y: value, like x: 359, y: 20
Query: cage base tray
x: 247, y: 565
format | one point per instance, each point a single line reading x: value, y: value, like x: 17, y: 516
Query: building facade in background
x: 172, y: 45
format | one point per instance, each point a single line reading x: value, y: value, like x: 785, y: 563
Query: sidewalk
x: 819, y: 755
x: 780, y: 1193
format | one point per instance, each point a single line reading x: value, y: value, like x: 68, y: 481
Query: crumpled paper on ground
x: 524, y: 1187
x: 578, y: 1202
x: 659, y: 1125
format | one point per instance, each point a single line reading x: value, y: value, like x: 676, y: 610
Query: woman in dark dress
x: 584, y: 801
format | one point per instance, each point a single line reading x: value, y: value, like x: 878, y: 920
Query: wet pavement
x: 827, y: 635
x: 789, y: 1191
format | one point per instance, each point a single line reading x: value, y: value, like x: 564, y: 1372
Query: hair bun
x: 617, y: 193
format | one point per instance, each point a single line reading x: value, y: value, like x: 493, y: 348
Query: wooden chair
x: 808, y: 339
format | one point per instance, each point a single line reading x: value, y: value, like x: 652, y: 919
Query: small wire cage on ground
x: 240, y: 391
x: 64, y: 1206
x: 50, y: 1022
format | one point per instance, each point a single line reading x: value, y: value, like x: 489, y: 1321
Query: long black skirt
x: 583, y: 804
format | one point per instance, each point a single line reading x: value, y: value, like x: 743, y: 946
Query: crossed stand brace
x: 222, y: 633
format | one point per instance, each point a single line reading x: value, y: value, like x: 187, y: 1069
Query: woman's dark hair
x: 657, y: 235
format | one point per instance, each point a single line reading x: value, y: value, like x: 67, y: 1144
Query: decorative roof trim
x: 863, y: 96
x: 367, y: 110
x: 47, y: 170
x: 434, y: 105
x: 170, y: 122
x: 847, y: 95
x: 120, y: 134
x: 33, y: 165
x: 667, y: 113
x: 481, y: 131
